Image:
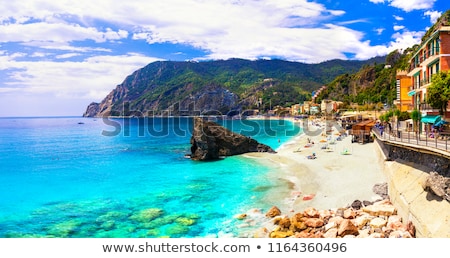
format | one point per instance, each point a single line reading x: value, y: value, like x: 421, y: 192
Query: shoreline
x: 331, y: 181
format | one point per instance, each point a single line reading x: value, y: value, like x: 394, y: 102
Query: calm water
x: 83, y: 177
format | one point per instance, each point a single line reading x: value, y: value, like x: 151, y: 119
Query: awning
x: 440, y: 123
x: 412, y: 93
x: 430, y: 119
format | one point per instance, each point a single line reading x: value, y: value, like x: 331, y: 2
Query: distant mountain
x: 223, y: 86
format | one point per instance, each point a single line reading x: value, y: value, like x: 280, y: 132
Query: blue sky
x: 58, y: 56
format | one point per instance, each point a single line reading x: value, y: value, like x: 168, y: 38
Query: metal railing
x: 425, y: 106
x: 436, y: 140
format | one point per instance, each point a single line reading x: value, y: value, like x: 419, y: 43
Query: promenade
x: 415, y: 139
x: 429, y: 213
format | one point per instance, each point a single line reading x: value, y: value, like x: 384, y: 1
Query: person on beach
x: 313, y: 156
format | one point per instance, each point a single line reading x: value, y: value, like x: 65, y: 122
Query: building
x: 296, y: 110
x: 327, y: 106
x: 330, y: 106
x: 404, y: 92
x: 306, y: 106
x: 432, y: 56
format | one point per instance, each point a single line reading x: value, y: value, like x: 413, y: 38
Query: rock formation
x: 211, y: 141
x: 438, y: 184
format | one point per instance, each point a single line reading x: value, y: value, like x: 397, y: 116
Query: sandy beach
x: 341, y: 172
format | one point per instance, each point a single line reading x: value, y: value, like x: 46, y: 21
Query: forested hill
x: 188, y: 88
x: 371, y: 85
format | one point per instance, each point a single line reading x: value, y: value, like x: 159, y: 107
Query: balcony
x: 425, y: 107
x: 425, y: 82
x: 424, y: 59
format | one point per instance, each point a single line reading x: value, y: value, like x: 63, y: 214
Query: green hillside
x: 223, y: 85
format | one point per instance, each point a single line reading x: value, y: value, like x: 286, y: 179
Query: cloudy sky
x: 58, y: 56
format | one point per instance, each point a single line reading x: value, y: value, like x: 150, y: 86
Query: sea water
x: 88, y: 177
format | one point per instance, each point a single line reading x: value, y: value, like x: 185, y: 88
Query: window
x: 438, y: 42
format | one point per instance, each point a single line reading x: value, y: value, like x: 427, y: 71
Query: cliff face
x: 210, y: 141
x: 193, y: 88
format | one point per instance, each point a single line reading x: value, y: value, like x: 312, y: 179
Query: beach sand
x: 330, y: 181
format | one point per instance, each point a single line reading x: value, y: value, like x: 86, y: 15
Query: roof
x: 430, y: 119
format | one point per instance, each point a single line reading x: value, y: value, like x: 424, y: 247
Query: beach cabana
x: 360, y: 132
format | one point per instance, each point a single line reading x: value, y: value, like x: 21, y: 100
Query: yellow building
x: 404, y: 101
x: 296, y: 110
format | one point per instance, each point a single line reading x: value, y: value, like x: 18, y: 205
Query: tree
x: 439, y: 91
x: 397, y: 113
x: 415, y: 116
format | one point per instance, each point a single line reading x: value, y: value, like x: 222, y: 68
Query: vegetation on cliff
x: 372, y: 84
x: 222, y: 85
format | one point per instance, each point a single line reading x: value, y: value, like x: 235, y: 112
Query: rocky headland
x: 211, y: 141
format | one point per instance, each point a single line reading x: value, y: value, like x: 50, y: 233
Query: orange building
x: 404, y: 92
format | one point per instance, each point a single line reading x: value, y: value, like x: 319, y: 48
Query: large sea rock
x: 211, y: 141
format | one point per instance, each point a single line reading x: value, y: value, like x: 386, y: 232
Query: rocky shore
x: 360, y: 220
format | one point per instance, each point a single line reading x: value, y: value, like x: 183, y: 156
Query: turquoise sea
x: 85, y: 177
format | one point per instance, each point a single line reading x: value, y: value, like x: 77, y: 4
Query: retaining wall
x: 406, y: 168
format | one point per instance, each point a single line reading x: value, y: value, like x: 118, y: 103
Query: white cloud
x: 39, y: 54
x: 398, y: 18
x: 407, y: 5
x: 410, y: 5
x: 379, y: 31
x: 56, y: 32
x: 91, y: 78
x: 434, y: 15
x: 247, y: 29
x: 65, y: 56
x: 398, y: 27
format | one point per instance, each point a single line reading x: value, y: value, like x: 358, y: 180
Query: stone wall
x: 432, y: 160
x: 405, y: 175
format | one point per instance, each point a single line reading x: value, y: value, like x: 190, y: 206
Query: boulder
x: 273, y: 212
x: 349, y: 213
x: 438, y: 184
x: 361, y: 221
x: 378, y: 223
x: 285, y: 223
x: 380, y: 209
x: 381, y: 190
x: 311, y: 212
x: 314, y: 222
x: 347, y: 228
x: 211, y: 141
x: 281, y: 234
x: 331, y: 233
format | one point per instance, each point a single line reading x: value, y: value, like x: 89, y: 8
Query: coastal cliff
x: 222, y: 86
x: 210, y: 141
